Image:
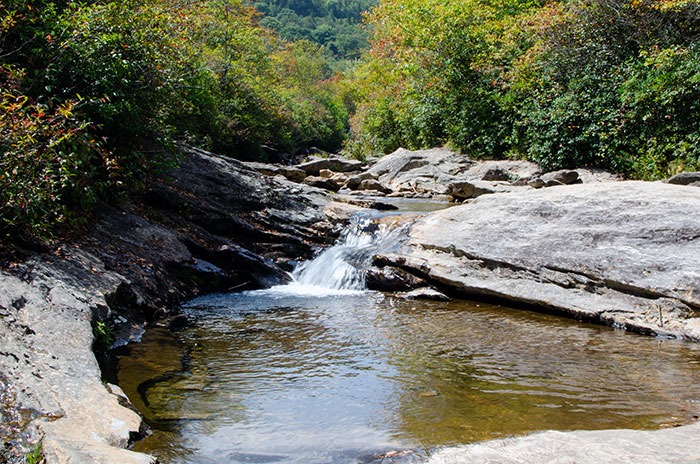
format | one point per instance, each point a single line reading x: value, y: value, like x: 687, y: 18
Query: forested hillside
x: 607, y: 83
x: 335, y: 24
x: 96, y: 94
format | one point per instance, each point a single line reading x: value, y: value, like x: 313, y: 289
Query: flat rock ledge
x: 46, y: 356
x: 624, y: 254
x: 676, y: 445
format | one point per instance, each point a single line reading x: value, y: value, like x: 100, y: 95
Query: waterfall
x: 341, y: 268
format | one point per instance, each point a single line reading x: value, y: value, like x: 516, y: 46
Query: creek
x: 324, y: 371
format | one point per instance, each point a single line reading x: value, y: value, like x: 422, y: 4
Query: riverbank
x: 213, y: 225
x: 219, y: 224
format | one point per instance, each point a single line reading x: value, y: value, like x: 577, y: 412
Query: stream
x: 324, y: 371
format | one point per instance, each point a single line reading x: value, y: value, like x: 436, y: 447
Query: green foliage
x: 438, y: 63
x: 661, y: 99
x: 103, y: 333
x: 36, y: 455
x: 333, y: 24
x: 48, y: 159
x: 606, y: 83
x: 85, y: 90
x: 266, y: 92
x: 581, y: 111
x: 95, y: 96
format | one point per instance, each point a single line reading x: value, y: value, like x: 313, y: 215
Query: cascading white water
x: 342, y: 267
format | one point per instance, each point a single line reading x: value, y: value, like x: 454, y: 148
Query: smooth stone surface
x: 685, y: 178
x: 333, y: 163
x: 675, y: 445
x: 624, y: 254
x: 46, y: 352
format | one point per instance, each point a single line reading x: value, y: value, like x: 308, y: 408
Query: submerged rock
x: 388, y: 279
x: 425, y: 293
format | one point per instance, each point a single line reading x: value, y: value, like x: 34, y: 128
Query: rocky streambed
x: 213, y: 225
x: 578, y: 243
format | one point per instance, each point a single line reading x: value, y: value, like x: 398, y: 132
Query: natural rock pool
x: 302, y: 374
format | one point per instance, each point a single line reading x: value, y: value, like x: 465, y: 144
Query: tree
x: 605, y: 83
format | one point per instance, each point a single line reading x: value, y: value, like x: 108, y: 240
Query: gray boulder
x: 419, y: 173
x: 685, y: 178
x: 497, y: 174
x: 563, y: 177
x: 371, y: 184
x: 292, y: 173
x: 337, y: 164
x: 555, y: 178
x: 464, y: 190
x: 537, y: 183
x: 354, y: 181
x: 339, y: 178
x: 322, y: 182
x: 428, y: 173
x: 624, y: 253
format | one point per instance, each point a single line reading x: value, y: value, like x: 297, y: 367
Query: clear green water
x: 265, y: 377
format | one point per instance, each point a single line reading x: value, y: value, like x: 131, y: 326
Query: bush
x: 49, y: 159
x: 96, y: 95
x: 86, y: 90
x: 661, y: 99
x: 602, y: 83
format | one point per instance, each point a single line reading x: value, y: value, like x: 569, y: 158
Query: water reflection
x: 264, y: 377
